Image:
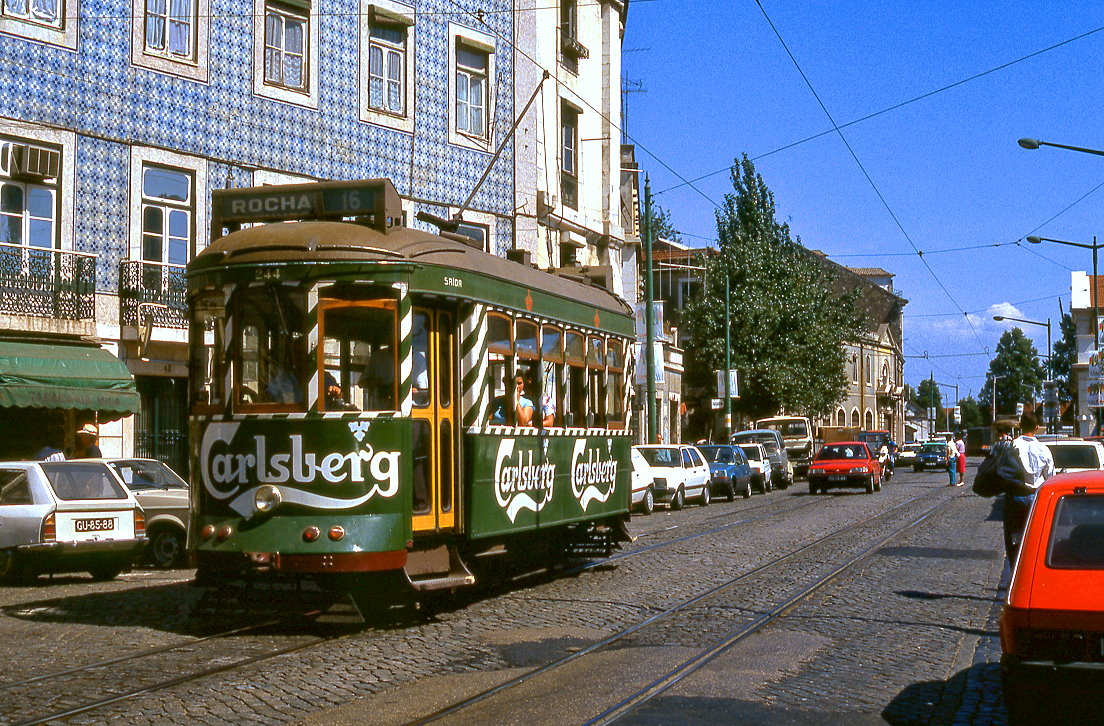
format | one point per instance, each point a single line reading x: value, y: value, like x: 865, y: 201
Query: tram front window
x: 271, y: 361
x: 358, y: 355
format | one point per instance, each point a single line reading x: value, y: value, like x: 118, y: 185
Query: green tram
x: 378, y: 406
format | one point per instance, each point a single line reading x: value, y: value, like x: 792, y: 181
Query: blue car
x: 729, y: 471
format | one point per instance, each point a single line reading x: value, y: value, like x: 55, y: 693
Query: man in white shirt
x: 1039, y: 465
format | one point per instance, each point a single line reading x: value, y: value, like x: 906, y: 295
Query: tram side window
x: 500, y: 360
x: 208, y: 329
x: 596, y: 363
x: 358, y: 355
x: 272, y: 362
x: 527, y: 349
x: 615, y: 390
x: 549, y: 404
x: 575, y: 404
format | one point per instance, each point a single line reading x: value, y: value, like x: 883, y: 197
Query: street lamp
x: 999, y: 318
x: 1033, y: 144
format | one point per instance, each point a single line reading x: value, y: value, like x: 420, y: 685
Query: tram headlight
x: 266, y: 499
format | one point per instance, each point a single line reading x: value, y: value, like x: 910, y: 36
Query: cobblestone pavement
x: 907, y: 637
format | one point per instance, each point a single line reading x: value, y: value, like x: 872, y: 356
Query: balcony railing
x: 159, y: 283
x: 47, y: 283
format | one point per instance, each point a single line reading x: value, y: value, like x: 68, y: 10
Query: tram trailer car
x: 358, y: 395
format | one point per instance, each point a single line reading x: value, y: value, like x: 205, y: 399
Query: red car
x: 845, y: 464
x: 1052, y: 626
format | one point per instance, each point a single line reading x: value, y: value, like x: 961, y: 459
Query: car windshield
x: 842, y: 451
x: 716, y: 454
x: 79, y: 480
x: 751, y: 451
x: 769, y: 442
x: 139, y: 475
x: 1075, y: 457
x: 1077, y: 535
x: 662, y: 456
x: 912, y: 448
x: 934, y: 448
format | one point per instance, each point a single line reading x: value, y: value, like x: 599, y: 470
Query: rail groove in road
x: 705, y: 655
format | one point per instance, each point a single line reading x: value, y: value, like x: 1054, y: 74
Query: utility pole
x: 649, y: 314
x: 728, y: 363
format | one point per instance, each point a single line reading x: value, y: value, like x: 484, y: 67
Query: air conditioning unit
x: 33, y: 162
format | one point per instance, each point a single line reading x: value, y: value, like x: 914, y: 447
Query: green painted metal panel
x: 524, y: 482
x: 324, y: 468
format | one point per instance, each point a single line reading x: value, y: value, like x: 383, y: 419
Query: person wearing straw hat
x: 86, y: 447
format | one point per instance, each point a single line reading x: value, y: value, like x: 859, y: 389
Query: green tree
x: 789, y: 322
x: 1017, y: 371
x: 971, y: 413
x: 1064, y: 356
x: 662, y: 227
x: 929, y: 396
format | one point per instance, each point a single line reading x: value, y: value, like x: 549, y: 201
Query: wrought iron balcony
x: 152, y: 282
x: 47, y: 283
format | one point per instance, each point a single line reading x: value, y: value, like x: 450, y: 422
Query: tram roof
x: 296, y: 242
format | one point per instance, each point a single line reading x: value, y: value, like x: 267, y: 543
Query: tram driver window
x: 208, y: 328
x: 358, y: 355
x: 500, y: 367
x: 272, y: 362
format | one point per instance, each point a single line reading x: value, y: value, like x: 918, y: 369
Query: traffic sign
x: 958, y: 414
x: 1019, y: 409
x: 716, y: 403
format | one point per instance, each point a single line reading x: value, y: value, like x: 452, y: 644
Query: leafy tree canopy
x: 1017, y: 372
x: 972, y: 415
x: 789, y: 323
x: 1064, y: 356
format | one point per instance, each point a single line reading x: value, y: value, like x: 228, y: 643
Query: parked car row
x: 90, y: 515
x: 677, y: 473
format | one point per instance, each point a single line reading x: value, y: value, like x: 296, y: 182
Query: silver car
x: 66, y: 516
x: 164, y: 498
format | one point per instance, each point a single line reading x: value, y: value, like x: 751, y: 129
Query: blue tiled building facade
x: 119, y: 117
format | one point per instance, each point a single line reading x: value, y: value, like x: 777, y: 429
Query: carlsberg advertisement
x: 526, y: 481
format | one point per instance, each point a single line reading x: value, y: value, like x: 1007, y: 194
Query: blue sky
x: 719, y: 83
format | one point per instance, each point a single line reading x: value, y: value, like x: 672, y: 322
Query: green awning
x: 66, y: 375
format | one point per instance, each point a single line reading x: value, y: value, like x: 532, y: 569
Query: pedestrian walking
x: 1039, y: 465
x: 960, y: 462
x: 952, y: 463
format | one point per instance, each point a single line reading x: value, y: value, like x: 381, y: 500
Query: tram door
x: 434, y: 439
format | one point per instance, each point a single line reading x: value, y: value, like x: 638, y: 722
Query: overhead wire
x: 869, y: 179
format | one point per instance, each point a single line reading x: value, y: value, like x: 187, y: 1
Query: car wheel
x: 12, y: 569
x: 731, y: 494
x: 747, y: 489
x: 705, y: 497
x: 647, y: 505
x: 918, y: 469
x: 878, y: 485
x: 870, y: 485
x: 166, y: 548
x: 678, y: 499
x: 768, y: 483
x: 105, y: 572
x: 813, y: 489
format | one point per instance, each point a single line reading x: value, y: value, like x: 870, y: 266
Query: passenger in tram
x: 420, y: 353
x: 523, y: 407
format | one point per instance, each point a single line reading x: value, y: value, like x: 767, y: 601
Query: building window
x: 170, y: 28
x: 40, y: 12
x: 285, y: 51
x: 167, y: 213
x: 471, y: 90
x: 569, y: 157
x: 387, y: 69
x: 28, y: 194
x: 571, y: 50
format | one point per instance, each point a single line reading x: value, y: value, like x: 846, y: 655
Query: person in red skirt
x: 960, y: 462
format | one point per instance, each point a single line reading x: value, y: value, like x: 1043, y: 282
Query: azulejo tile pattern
x: 112, y: 105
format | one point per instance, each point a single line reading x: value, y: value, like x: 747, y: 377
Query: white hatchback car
x: 680, y: 472
x: 643, y: 483
x: 66, y: 516
x: 1072, y: 455
x: 760, y: 465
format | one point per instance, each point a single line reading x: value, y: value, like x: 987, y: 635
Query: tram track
x: 703, y: 656
x: 18, y: 698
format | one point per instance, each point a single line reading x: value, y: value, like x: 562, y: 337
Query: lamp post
x: 649, y: 316
x: 1092, y: 283
x: 955, y: 387
x: 995, y: 379
x: 1050, y: 372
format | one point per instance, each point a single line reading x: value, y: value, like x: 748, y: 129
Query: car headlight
x: 860, y: 470
x: 266, y: 499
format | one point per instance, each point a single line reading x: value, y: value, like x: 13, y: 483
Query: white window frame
x: 308, y: 96
x: 167, y: 207
x: 143, y: 156
x: 481, y: 219
x: 459, y: 35
x: 403, y: 15
x: 62, y: 32
x: 574, y: 154
x: 65, y: 142
x: 193, y: 66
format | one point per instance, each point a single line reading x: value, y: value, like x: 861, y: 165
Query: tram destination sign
x: 375, y: 198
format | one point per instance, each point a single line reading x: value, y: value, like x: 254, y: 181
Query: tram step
x: 447, y: 570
